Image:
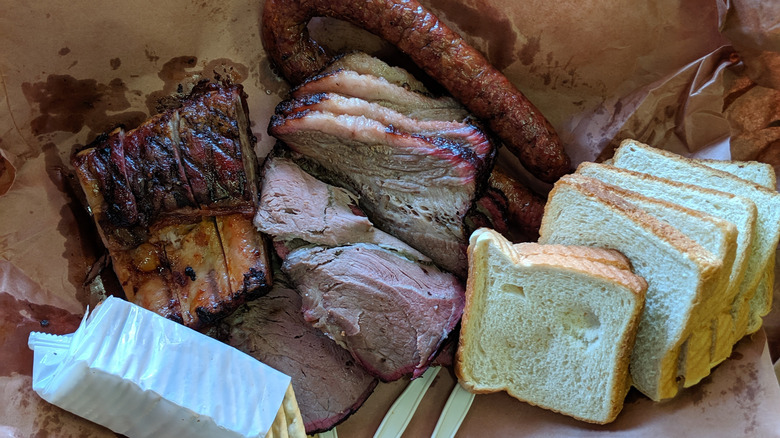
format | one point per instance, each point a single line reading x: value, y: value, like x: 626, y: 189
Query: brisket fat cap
x: 329, y: 385
x: 460, y: 129
x: 391, y: 313
x: 363, y: 63
x: 376, y: 89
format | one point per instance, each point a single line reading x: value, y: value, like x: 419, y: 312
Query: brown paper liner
x: 599, y: 70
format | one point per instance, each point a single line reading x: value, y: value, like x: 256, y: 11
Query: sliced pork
x: 246, y: 256
x: 216, y: 150
x: 155, y: 170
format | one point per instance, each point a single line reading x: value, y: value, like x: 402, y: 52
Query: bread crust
x: 727, y: 205
x: 632, y: 154
x: 604, y: 255
x: 570, y: 260
x: 663, y: 382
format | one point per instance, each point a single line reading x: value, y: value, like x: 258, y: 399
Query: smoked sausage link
x: 435, y: 48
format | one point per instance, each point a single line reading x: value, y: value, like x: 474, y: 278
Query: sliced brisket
x: 465, y: 133
x: 366, y: 64
x: 328, y: 384
x: 379, y: 298
x: 417, y: 188
x: 378, y: 90
x: 391, y: 313
x: 295, y: 206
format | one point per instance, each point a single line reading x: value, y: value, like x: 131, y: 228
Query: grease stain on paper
x: 530, y: 49
x: 68, y: 104
x: 20, y: 317
x: 268, y: 78
x: 174, y: 70
x: 82, y: 246
x: 226, y: 69
x: 179, y: 76
x: 555, y: 73
x: 150, y: 55
x: 745, y: 393
x: 215, y: 10
x: 173, y: 73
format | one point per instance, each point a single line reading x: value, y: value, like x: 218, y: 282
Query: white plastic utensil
x: 401, y: 412
x: 458, y: 405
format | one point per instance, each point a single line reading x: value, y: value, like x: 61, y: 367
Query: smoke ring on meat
x: 439, y: 51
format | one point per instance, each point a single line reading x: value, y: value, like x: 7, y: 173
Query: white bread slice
x: 762, y: 174
x: 582, y: 211
x: 736, y: 209
x: 553, y: 330
x: 637, y: 156
x: 719, y: 237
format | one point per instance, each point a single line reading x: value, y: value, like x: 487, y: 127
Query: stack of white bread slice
x: 552, y: 325
x: 703, y: 234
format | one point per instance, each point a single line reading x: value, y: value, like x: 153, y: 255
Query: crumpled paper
x: 697, y: 77
x: 7, y: 173
x: 752, y: 27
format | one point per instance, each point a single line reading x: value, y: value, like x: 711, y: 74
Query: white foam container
x: 142, y: 375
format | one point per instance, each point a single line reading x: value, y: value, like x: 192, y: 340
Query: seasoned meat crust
x: 173, y: 201
x: 416, y: 188
x: 439, y: 51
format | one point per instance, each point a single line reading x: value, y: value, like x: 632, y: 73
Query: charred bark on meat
x: 439, y: 51
x: 173, y: 201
